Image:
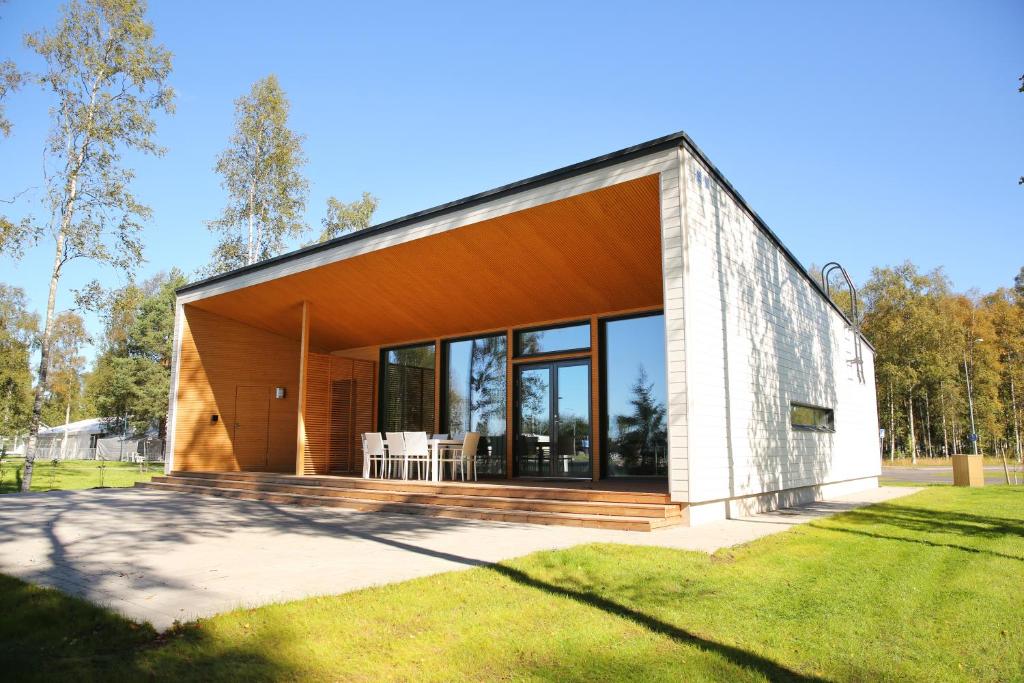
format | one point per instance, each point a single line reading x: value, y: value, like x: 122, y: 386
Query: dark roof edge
x: 642, y: 149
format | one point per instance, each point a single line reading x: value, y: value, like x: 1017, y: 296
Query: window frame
x: 605, y: 417
x: 518, y: 333
x: 830, y: 418
x: 382, y: 363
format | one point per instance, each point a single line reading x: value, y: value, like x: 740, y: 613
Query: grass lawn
x: 927, y: 588
x: 74, y: 474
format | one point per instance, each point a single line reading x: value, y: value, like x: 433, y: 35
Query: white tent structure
x: 95, y: 439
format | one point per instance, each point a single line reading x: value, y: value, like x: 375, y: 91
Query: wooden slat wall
x: 334, y: 423
x: 318, y: 414
x: 593, y: 252
x: 217, y: 355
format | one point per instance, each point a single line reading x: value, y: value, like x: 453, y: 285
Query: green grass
x: 74, y: 474
x: 927, y: 588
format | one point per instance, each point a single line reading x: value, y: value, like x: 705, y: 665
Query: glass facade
x: 407, y: 390
x: 636, y: 397
x: 553, y: 339
x: 475, y: 399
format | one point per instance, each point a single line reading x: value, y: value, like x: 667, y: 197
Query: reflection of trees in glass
x: 530, y: 342
x: 476, y: 401
x: 414, y: 356
x: 641, y: 436
x: 534, y: 393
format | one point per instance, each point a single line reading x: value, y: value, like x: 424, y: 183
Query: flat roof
x: 678, y: 139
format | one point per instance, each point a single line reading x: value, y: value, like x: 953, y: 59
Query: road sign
x: 972, y: 437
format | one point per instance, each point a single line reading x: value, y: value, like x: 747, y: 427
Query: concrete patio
x: 160, y: 557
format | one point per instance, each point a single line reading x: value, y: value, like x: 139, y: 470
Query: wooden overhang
x: 590, y: 253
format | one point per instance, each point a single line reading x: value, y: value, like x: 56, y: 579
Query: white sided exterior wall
x: 758, y: 336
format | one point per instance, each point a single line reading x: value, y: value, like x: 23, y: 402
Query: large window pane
x: 637, y: 437
x: 407, y: 394
x: 553, y: 339
x: 476, y: 397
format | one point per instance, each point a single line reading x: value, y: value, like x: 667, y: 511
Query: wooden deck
x: 641, y: 505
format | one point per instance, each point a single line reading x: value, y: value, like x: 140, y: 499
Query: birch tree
x: 261, y: 172
x: 343, y: 218
x: 107, y: 78
x: 10, y: 80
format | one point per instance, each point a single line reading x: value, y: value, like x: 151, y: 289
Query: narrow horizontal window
x: 553, y: 340
x: 812, y: 418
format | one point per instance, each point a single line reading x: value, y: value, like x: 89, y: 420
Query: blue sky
x: 864, y: 132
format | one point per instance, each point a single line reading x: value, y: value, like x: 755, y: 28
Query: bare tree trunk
x: 945, y: 434
x: 910, y: 419
x: 44, y: 346
x: 1016, y: 419
x: 928, y: 425
x: 892, y: 426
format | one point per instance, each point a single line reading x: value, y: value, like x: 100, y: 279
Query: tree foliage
x: 67, y: 365
x: 132, y: 374
x: 18, y: 328
x: 107, y: 78
x: 343, y: 218
x: 927, y: 339
x: 261, y: 172
x: 10, y: 80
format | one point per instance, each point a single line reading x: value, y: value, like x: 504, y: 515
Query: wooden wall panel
x: 217, y: 356
x: 339, y: 409
x: 318, y: 416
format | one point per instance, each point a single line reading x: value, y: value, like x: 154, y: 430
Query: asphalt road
x: 940, y: 475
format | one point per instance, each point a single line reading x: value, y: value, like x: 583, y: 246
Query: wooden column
x: 509, y: 409
x: 437, y: 386
x: 595, y: 398
x: 300, y: 440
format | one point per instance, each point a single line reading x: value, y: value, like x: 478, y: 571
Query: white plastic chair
x: 396, y: 454
x: 417, y: 452
x: 462, y: 457
x: 373, y: 451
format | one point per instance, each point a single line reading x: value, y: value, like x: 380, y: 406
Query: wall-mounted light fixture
x: 279, y: 392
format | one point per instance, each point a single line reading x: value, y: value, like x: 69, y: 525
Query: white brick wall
x: 757, y: 336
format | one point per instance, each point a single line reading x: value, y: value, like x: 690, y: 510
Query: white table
x: 435, y: 446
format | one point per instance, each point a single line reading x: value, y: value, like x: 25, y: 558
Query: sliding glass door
x: 553, y: 419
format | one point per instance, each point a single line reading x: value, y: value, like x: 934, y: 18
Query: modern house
x: 623, y: 325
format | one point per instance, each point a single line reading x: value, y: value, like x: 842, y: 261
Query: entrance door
x: 553, y: 419
x: 252, y: 426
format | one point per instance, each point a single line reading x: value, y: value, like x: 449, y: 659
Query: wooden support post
x: 595, y: 398
x: 300, y: 441
x: 438, y: 380
x: 510, y: 429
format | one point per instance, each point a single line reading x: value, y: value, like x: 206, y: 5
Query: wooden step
x: 449, y: 511
x: 451, y: 488
x: 460, y: 499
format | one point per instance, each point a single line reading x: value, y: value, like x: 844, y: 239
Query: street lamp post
x: 970, y: 395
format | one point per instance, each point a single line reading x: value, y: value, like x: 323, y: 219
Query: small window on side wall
x: 809, y: 418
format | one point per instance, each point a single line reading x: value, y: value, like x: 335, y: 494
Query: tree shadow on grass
x: 737, y: 656
x: 46, y: 635
x: 919, y: 541
x: 932, y: 527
